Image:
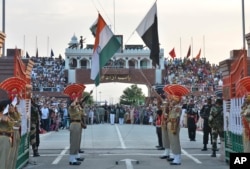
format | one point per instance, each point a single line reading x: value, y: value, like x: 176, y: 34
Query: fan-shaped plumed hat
x: 74, y: 90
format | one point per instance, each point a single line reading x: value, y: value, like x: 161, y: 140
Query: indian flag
x: 106, y: 45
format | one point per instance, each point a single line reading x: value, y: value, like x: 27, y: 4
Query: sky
x: 214, y: 26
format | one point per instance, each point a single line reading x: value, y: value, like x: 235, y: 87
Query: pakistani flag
x: 148, y: 30
x: 106, y: 45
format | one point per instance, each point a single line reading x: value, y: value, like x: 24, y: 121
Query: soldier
x: 34, y: 127
x: 173, y: 122
x: 157, y: 124
x: 245, y: 115
x: 215, y: 121
x: 15, y: 116
x: 6, y: 135
x: 75, y: 112
x: 84, y: 117
x: 192, y: 118
x: 204, y: 113
x: 164, y: 131
x: 173, y: 125
x: 101, y: 113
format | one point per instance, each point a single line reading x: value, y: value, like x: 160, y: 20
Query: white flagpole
x: 204, y: 46
x: 24, y: 54
x: 114, y: 16
x: 180, y: 49
x: 3, y: 26
x: 192, y: 46
x: 243, y: 24
x: 48, y: 46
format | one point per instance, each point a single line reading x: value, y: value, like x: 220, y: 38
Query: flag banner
x: 172, y: 53
x: 93, y: 27
x: 189, y: 52
x: 51, y: 53
x: 106, y: 45
x: 198, y: 55
x: 148, y: 30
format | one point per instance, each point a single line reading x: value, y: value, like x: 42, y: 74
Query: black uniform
x: 204, y: 113
x: 192, y: 118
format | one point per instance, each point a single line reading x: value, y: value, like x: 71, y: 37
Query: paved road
x: 120, y: 147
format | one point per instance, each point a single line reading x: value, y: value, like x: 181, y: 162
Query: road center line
x: 59, y: 157
x: 123, y: 146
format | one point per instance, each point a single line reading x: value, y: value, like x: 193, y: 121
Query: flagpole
x: 48, y: 46
x: 180, y: 48
x: 3, y: 27
x: 36, y: 44
x: 114, y: 14
x: 204, y: 46
x: 243, y: 24
x: 24, y: 46
x: 192, y: 47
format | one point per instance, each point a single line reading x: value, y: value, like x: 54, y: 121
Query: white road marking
x: 59, y: 157
x: 123, y: 146
x: 190, y: 156
x: 128, y: 163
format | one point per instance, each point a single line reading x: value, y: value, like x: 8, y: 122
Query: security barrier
x: 23, y: 154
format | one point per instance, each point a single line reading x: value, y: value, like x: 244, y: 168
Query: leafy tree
x: 132, y: 96
x: 90, y: 100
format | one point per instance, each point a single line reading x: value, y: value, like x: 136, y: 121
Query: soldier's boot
x: 35, y: 153
x: 213, y: 153
x: 204, y: 148
x: 214, y: 150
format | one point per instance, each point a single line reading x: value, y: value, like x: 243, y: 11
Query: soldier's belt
x: 192, y: 116
x: 172, y: 120
x: 5, y: 134
x: 16, y: 128
x: 77, y: 121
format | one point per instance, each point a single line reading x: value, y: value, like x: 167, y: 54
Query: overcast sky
x: 215, y: 26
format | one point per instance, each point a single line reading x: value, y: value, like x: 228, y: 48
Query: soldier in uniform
x: 75, y: 112
x: 15, y: 116
x: 34, y: 127
x: 84, y: 117
x: 192, y: 118
x: 6, y: 134
x: 164, y: 131
x: 173, y: 122
x: 245, y: 115
x: 215, y: 121
x: 204, y: 113
x: 173, y: 125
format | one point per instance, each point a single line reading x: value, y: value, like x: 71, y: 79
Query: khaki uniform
x: 164, y: 130
x: 16, y: 118
x: 174, y: 129
x: 6, y: 137
x: 75, y: 129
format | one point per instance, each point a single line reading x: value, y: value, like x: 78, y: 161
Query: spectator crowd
x: 48, y: 75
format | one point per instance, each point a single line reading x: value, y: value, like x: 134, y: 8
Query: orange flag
x: 172, y: 53
x: 198, y: 55
x: 189, y: 51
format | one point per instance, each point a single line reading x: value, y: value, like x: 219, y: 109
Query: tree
x: 90, y: 100
x: 132, y: 96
